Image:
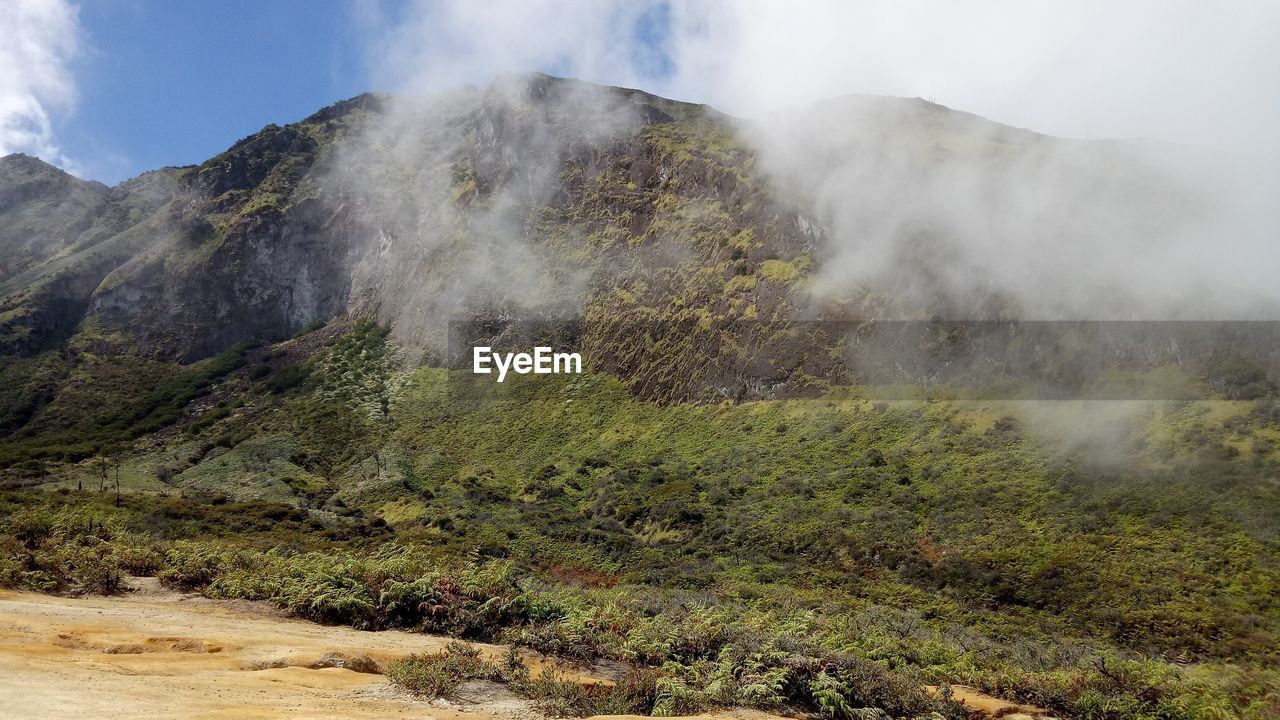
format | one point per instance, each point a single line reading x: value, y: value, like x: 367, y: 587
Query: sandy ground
x: 159, y: 654
x: 156, y: 654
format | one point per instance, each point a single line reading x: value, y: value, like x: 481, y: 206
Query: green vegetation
x: 111, y: 401
x: 758, y: 646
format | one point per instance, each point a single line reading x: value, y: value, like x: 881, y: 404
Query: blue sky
x: 173, y: 83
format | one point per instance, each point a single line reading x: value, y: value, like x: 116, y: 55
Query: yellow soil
x: 159, y: 654
x: 154, y: 654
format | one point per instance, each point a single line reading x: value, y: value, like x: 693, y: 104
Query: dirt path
x: 993, y: 706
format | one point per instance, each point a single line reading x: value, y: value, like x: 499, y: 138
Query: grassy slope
x: 917, y: 504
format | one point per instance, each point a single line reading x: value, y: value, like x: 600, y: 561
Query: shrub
x: 288, y: 378
x: 190, y: 566
x: 556, y: 696
x: 437, y: 675
x: 675, y: 697
x: 425, y: 675
x: 95, y: 570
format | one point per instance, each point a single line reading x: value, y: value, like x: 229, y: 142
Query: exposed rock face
x: 265, y: 280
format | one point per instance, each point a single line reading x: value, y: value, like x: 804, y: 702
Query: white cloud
x: 38, y: 39
x: 1167, y: 69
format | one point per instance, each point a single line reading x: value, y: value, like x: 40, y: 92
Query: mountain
x: 544, y: 198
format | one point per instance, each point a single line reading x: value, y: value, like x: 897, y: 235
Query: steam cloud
x: 1178, y: 228
x: 38, y: 38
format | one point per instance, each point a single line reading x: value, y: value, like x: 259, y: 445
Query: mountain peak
x: 23, y: 168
